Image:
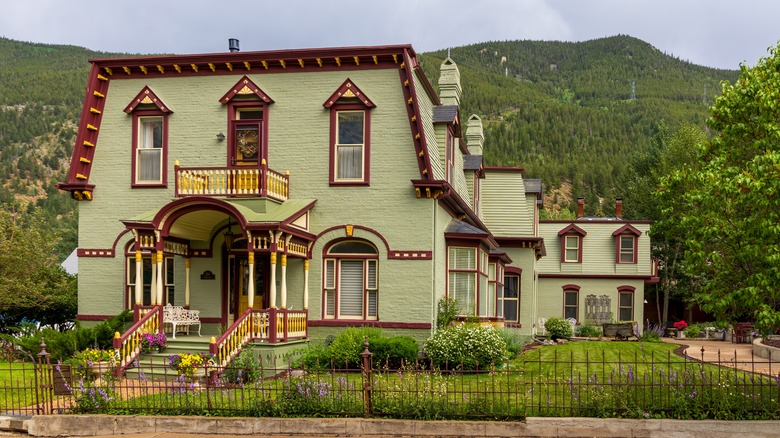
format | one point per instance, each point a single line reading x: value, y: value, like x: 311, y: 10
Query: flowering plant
x: 153, y: 341
x: 186, y: 363
x: 90, y: 358
x: 680, y: 325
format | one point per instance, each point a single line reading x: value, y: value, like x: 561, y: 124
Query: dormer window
x: 248, y: 124
x: 350, y: 135
x: 150, y: 139
x: 626, y: 241
x: 571, y: 244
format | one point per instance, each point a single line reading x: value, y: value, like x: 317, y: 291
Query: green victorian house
x: 288, y: 194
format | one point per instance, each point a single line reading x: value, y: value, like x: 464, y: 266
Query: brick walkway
x: 734, y: 355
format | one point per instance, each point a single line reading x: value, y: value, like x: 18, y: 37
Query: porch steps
x: 154, y: 366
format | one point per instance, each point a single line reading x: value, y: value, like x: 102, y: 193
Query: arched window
x: 350, y: 281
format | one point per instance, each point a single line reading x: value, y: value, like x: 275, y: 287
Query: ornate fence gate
x: 27, y: 385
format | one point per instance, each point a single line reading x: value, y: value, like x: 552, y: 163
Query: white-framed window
x: 511, y: 298
x: 572, y: 250
x: 463, y: 278
x: 350, y: 146
x: 571, y: 303
x: 149, y: 150
x: 627, y: 249
x: 626, y: 304
x: 169, y: 279
x: 351, y: 281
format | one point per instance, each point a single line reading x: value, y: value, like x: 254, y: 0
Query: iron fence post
x: 43, y: 381
x: 367, y: 385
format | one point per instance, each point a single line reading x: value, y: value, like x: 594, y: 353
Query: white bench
x: 179, y: 316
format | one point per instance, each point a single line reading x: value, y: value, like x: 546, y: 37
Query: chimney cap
x: 233, y: 45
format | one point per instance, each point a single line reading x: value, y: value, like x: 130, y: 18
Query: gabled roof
x: 147, y: 97
x: 245, y: 87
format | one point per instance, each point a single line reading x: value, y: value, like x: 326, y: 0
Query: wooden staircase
x: 154, y: 366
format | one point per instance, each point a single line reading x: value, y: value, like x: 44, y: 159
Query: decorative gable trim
x: 348, y: 90
x: 627, y: 229
x: 245, y: 87
x: 572, y: 229
x: 147, y: 97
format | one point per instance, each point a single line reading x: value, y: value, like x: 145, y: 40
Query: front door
x: 238, y: 284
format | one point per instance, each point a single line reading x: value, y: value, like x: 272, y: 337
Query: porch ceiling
x: 197, y: 225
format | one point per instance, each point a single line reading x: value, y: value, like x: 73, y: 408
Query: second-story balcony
x: 245, y: 182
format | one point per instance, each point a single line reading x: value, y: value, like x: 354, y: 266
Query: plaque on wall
x: 207, y: 275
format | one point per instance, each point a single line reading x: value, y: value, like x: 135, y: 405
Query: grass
x: 17, y: 385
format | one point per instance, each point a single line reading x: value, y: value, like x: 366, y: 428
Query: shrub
x: 514, y: 341
x: 692, y: 331
x: 393, y: 352
x: 346, y: 348
x: 315, y: 356
x: 465, y: 346
x: 589, y: 331
x: 653, y: 333
x: 558, y: 328
x: 447, y: 311
x: 244, y: 368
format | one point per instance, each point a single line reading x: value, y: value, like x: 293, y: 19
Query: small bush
x: 447, y: 311
x: 558, y: 328
x: 692, y: 331
x: 245, y: 368
x: 589, y: 331
x: 466, y: 346
x: 315, y: 356
x: 346, y: 348
x: 393, y: 352
x: 514, y: 341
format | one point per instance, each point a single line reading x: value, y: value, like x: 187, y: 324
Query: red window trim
x: 233, y: 107
x: 572, y: 230
x: 137, y: 115
x: 334, y: 110
x: 338, y: 257
x: 627, y: 290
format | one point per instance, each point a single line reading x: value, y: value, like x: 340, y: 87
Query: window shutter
x: 330, y: 286
x: 371, y: 286
x: 351, y: 288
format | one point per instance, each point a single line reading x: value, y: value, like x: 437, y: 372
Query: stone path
x: 739, y: 356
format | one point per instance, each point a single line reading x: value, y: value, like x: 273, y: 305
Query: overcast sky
x: 715, y: 33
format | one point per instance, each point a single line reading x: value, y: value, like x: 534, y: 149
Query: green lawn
x: 17, y: 383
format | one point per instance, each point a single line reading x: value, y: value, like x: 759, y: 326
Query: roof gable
x: 348, y: 90
x: 245, y: 87
x: 147, y: 97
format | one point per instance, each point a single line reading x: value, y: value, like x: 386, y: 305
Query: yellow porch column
x: 153, y: 285
x: 251, y: 285
x: 306, y: 284
x: 187, y: 282
x: 284, y: 281
x: 139, y: 285
x: 273, y: 280
x: 160, y: 276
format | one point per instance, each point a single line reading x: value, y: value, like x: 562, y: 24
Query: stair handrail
x: 127, y: 346
x: 224, y: 349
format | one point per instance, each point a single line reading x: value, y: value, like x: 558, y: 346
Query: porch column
x: 187, y: 282
x: 153, y: 284
x: 251, y: 285
x: 306, y: 284
x: 273, y: 280
x: 284, y: 281
x: 160, y: 276
x: 139, y: 283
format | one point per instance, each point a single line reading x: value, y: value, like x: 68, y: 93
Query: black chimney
x: 233, y: 44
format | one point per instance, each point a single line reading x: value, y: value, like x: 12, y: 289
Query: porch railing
x: 270, y: 325
x: 128, y: 345
x: 232, y: 182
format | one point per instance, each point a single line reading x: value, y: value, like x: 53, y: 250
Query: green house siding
x: 504, y: 210
x: 551, y: 293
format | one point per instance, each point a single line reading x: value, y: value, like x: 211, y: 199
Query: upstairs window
x: 626, y: 240
x: 248, y: 124
x: 571, y: 244
x: 150, y: 139
x: 350, y: 135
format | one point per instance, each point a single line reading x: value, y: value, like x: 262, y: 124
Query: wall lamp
x: 220, y: 136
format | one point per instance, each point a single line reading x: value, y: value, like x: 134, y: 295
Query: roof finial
x: 448, y: 53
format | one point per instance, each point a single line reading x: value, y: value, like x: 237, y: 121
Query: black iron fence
x: 535, y: 385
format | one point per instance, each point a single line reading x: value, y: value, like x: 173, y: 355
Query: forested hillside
x: 574, y: 114
x: 564, y: 111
